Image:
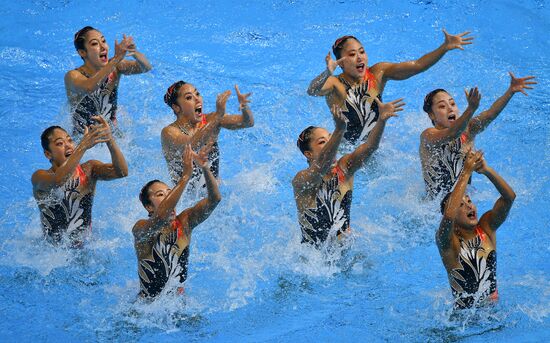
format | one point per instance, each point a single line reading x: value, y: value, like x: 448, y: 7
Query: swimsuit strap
x: 338, y: 171
x: 463, y: 137
x: 480, y: 233
x: 81, y: 175
x: 177, y: 226
x: 370, y: 78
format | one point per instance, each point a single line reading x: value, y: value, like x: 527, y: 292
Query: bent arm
x: 202, y: 210
x: 118, y: 167
x: 238, y: 121
x: 43, y: 180
x: 433, y: 136
x: 502, y: 206
x: 173, y: 138
x: 322, y: 84
x: 355, y: 160
x: 140, y: 65
x: 75, y: 80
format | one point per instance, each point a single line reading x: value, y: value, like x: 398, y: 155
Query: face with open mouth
x: 444, y: 110
x: 61, y: 147
x: 97, y: 49
x: 356, y: 62
x: 190, y: 103
x: 467, y: 216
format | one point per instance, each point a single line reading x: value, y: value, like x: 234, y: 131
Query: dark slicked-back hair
x: 339, y: 45
x: 304, y: 139
x: 171, y: 94
x: 144, y: 193
x: 80, y: 37
x: 45, y: 136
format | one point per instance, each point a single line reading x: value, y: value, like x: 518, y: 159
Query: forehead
x: 157, y: 186
x: 318, y: 133
x: 93, y: 34
x: 58, y: 133
x: 441, y: 96
x: 187, y: 88
x: 352, y: 44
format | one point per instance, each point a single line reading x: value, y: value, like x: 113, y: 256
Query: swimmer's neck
x: 466, y: 231
x: 183, y: 122
x: 351, y: 80
x: 90, y: 68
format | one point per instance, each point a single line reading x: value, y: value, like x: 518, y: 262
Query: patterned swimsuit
x: 168, y: 262
x: 331, y: 216
x: 360, y: 108
x: 476, y: 280
x: 101, y: 102
x: 65, y: 212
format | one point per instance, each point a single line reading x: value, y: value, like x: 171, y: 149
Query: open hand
x: 457, y: 41
x: 187, y: 159
x: 473, y: 96
x: 95, y: 134
x: 201, y: 158
x: 126, y: 45
x: 221, y: 100
x: 518, y: 84
x: 243, y: 98
x: 332, y: 64
x: 389, y: 109
x: 474, y: 160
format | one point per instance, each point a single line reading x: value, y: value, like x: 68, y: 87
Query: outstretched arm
x: 479, y: 123
x: 443, y: 236
x: 237, y: 121
x: 141, y: 63
x: 312, y: 176
x: 324, y: 82
x: 502, y: 206
x: 44, y: 180
x: 433, y: 136
x: 202, y: 210
x: 355, y: 160
x: 404, y: 70
x: 118, y: 168
x: 75, y: 80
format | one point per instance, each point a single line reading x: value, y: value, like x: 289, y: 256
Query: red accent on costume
x: 176, y: 225
x: 480, y: 233
x: 337, y: 170
x: 463, y: 137
x: 370, y: 78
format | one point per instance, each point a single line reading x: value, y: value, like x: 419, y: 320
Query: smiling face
x: 467, y: 213
x: 317, y: 141
x: 95, y: 50
x: 356, y: 62
x: 60, y: 147
x: 443, y: 111
x: 189, y: 104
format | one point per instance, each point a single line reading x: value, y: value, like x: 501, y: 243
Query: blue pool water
x: 248, y: 280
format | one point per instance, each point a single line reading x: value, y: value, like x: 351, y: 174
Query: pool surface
x: 250, y: 280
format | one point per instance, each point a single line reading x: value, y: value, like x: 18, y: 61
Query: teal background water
x: 247, y: 279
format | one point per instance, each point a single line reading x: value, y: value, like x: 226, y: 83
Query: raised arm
x: 434, y: 136
x: 404, y: 70
x: 355, y: 160
x: 44, y: 180
x: 502, y: 206
x: 141, y: 63
x: 239, y: 121
x: 75, y: 80
x: 312, y: 176
x: 479, y: 123
x: 324, y: 82
x: 118, y: 167
x: 443, y: 235
x: 202, y: 210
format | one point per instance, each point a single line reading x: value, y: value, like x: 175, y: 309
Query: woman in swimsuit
x: 443, y: 147
x: 357, y: 86
x: 162, y: 240
x: 92, y: 88
x: 467, y: 245
x: 194, y: 127
x: 323, y: 191
x: 65, y: 192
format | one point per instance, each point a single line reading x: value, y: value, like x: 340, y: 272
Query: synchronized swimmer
x: 322, y: 192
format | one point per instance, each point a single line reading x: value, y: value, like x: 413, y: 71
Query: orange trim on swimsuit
x: 371, y: 78
x: 81, y: 175
x: 463, y: 138
x: 480, y: 233
x: 338, y: 171
x: 176, y: 225
x: 203, y: 121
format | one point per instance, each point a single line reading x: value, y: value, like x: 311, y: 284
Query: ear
x: 48, y: 155
x: 82, y: 53
x: 308, y: 155
x: 150, y: 208
x: 176, y: 108
x: 432, y: 117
